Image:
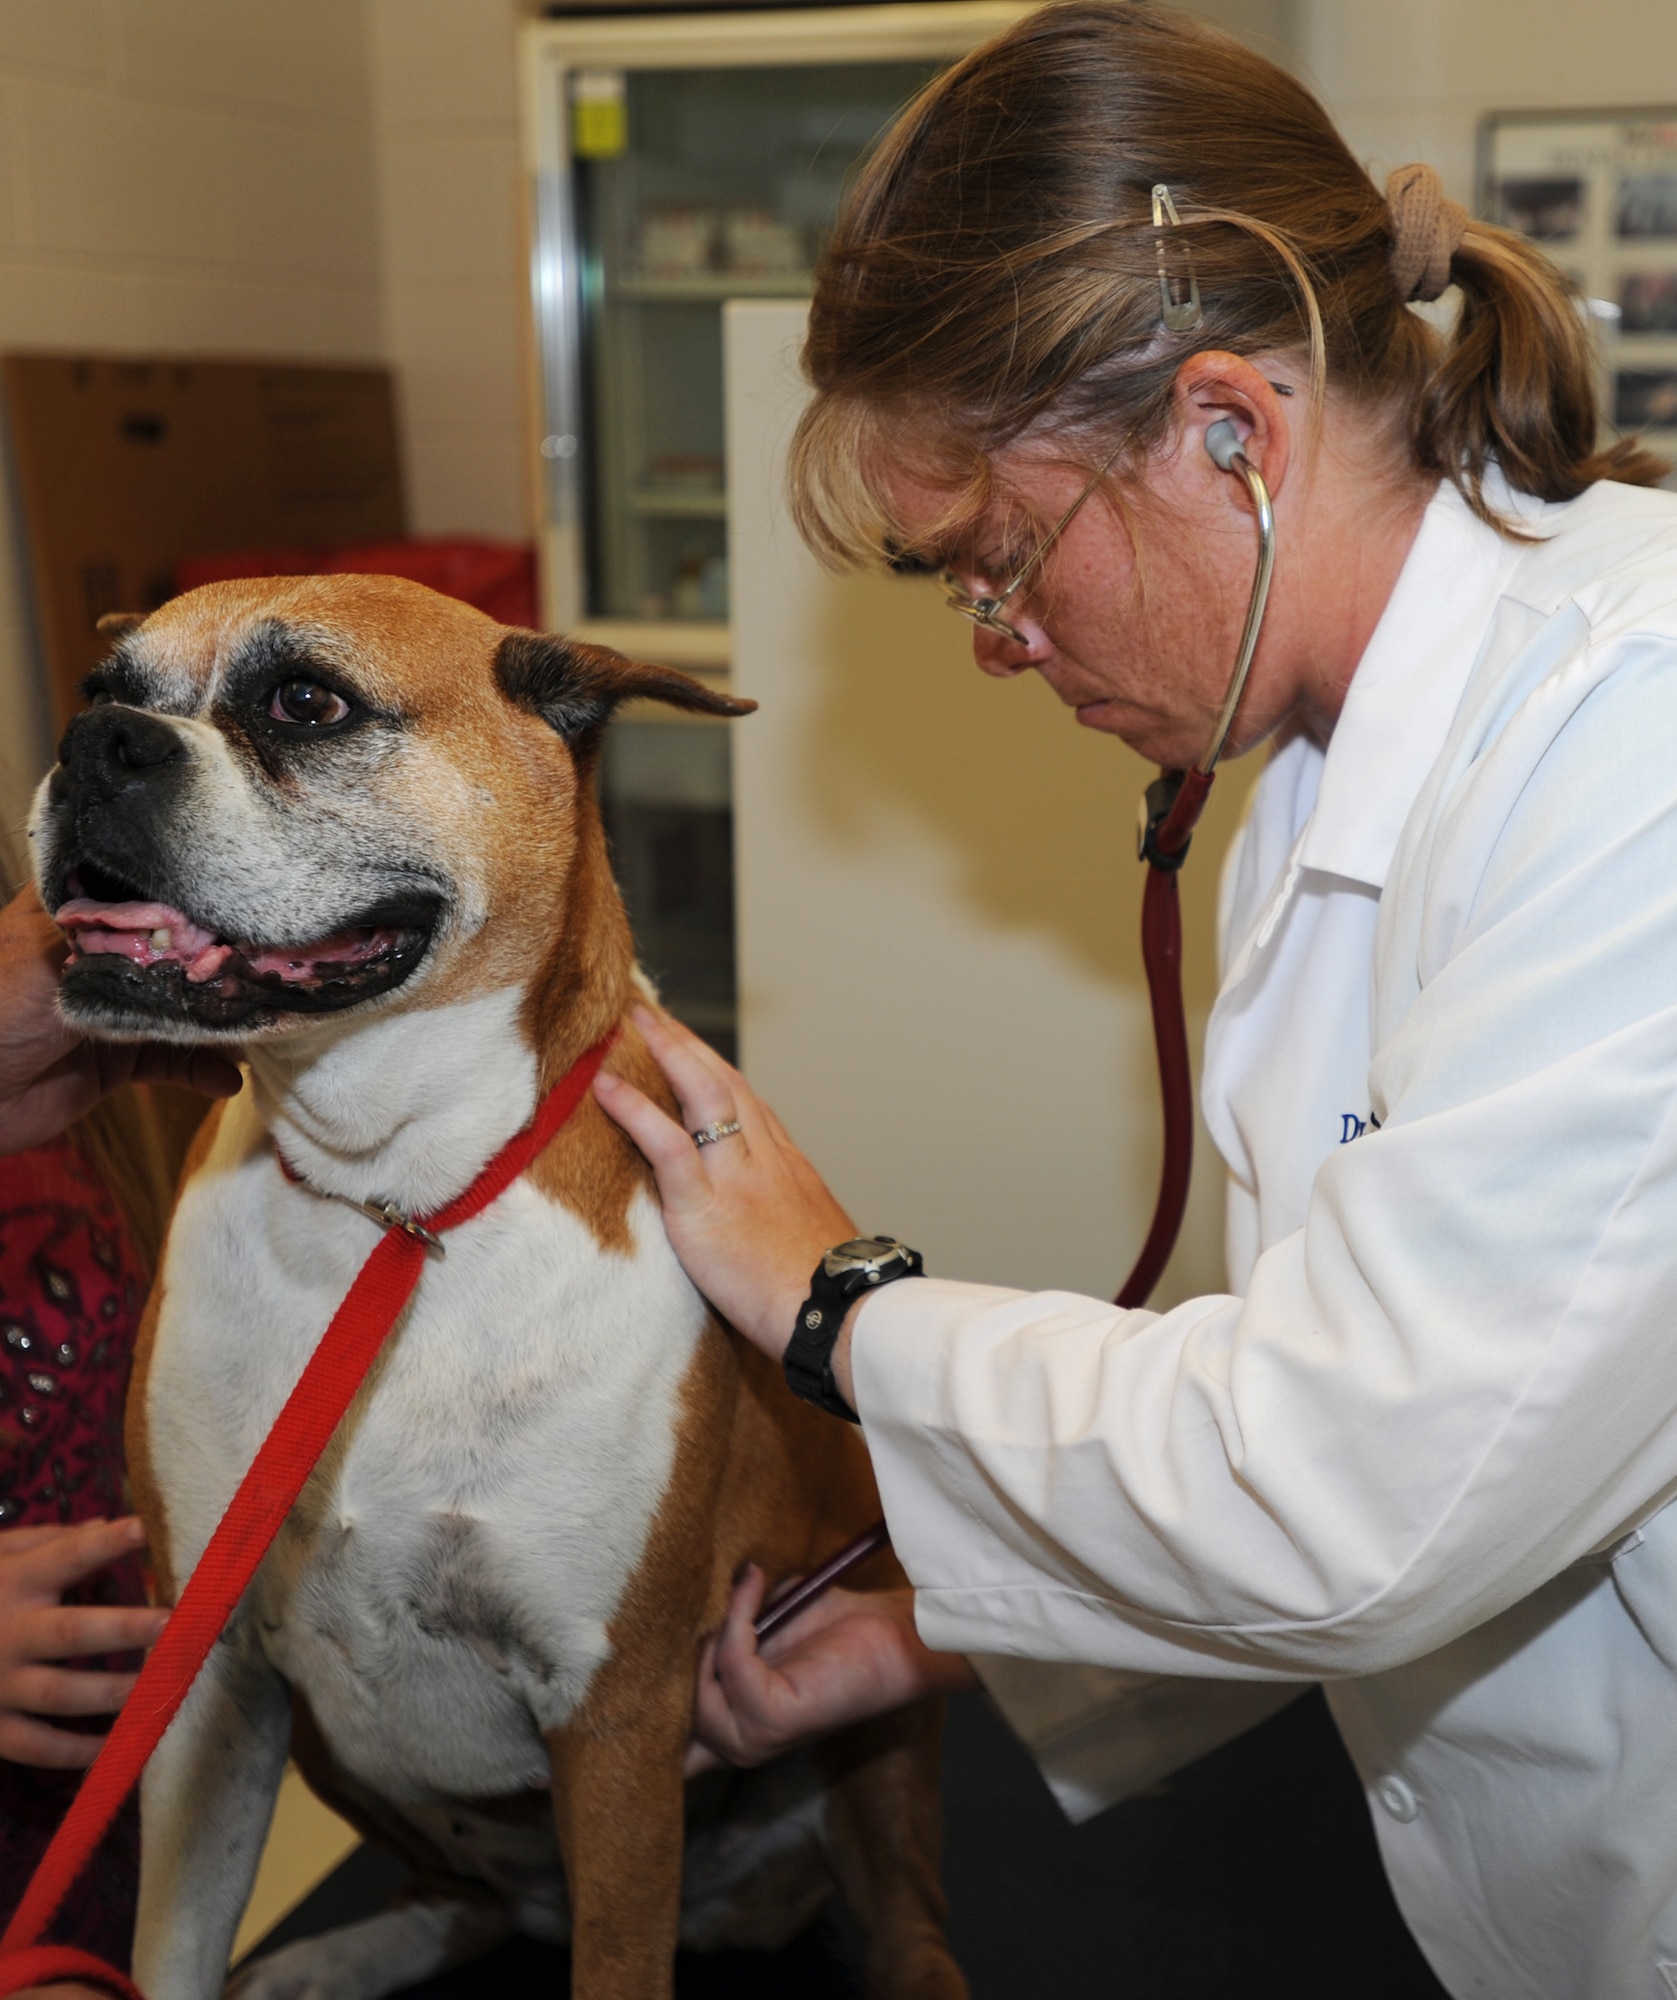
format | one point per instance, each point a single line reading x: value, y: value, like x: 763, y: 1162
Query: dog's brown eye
x: 306, y: 701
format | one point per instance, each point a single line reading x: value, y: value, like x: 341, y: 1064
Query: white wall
x: 334, y: 178
x: 1409, y: 81
x: 444, y: 109
x: 939, y: 901
x: 174, y: 174
x: 339, y: 178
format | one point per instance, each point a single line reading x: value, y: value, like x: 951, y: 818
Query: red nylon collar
x: 265, y: 1496
x: 511, y: 1161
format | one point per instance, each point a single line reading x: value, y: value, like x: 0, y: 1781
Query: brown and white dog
x: 350, y: 826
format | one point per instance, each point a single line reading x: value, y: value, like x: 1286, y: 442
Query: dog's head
x: 292, y: 798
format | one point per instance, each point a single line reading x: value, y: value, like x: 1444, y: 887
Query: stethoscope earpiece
x: 1223, y: 443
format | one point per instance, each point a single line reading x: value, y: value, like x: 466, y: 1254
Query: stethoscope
x: 1170, y: 811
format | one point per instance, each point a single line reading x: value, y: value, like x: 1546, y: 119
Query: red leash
x: 265, y: 1496
x: 359, y: 1328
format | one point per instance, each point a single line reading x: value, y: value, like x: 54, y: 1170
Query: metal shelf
x: 712, y: 285
x: 697, y: 503
x: 697, y: 645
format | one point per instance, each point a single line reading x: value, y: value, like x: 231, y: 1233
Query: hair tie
x: 1426, y: 228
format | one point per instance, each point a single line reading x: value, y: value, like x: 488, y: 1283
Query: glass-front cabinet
x: 676, y: 162
x: 709, y: 184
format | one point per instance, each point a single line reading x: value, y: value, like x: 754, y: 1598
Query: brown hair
x: 995, y: 272
x: 136, y: 1141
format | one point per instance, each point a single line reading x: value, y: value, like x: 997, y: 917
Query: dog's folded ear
x: 118, y: 624
x: 575, y: 687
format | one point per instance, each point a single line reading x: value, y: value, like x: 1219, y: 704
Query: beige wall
x: 339, y: 178
x: 1409, y: 79
x: 335, y: 178
x: 174, y: 174
x: 444, y: 106
x: 939, y: 901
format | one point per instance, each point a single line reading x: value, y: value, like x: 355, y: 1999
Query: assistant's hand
x: 48, y: 1075
x: 37, y: 1566
x: 849, y: 1655
x: 749, y: 1217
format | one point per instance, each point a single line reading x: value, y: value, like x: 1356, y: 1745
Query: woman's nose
x: 1006, y: 657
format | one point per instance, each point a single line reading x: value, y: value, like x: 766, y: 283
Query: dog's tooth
x: 161, y: 940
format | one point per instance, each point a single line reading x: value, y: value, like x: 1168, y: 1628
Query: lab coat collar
x: 1407, y: 687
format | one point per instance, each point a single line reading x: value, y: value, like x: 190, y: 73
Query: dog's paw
x: 308, y: 1970
x: 295, y: 1973
x: 381, y: 1955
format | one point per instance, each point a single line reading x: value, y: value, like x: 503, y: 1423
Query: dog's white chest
x: 442, y: 1592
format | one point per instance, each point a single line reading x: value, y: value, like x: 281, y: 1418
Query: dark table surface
x: 1249, y: 1875
x: 1253, y: 1874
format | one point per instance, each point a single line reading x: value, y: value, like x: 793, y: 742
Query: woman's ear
x: 1213, y: 388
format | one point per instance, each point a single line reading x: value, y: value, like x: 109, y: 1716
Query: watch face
x: 860, y: 1253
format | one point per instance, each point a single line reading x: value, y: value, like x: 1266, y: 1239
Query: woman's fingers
x: 747, y: 1215
x: 736, y: 1695
x: 58, y: 1691
x: 736, y: 1644
x: 73, y: 1554
x: 13, y: 1541
x: 23, y: 1740
x: 77, y: 1632
x: 668, y: 1146
x: 706, y: 1088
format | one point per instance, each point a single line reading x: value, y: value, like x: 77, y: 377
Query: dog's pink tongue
x: 154, y: 934
x: 145, y: 933
x: 345, y: 947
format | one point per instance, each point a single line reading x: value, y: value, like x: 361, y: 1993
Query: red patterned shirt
x: 71, y: 1290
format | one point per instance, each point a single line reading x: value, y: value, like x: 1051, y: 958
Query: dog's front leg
x: 617, y: 1797
x: 205, y: 1803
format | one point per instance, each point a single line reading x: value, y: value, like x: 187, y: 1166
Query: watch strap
x: 808, y: 1360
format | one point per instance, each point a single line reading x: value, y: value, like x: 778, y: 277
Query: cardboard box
x: 127, y: 466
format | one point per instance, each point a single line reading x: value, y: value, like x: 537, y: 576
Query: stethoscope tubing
x: 1256, y: 604
x: 1164, y: 846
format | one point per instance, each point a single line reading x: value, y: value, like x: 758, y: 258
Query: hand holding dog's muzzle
x: 50, y: 1076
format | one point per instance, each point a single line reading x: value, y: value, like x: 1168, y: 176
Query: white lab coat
x: 1422, y: 1455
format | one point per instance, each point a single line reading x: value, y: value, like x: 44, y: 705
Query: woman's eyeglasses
x: 985, y: 612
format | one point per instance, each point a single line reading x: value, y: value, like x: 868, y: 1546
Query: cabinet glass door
x: 693, y: 186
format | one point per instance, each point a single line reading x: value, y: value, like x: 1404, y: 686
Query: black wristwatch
x: 847, y: 1270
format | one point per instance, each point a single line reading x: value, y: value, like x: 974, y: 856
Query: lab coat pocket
x: 1644, y: 1568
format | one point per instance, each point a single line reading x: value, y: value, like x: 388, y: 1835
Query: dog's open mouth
x: 133, y: 952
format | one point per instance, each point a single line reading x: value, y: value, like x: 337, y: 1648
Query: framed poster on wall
x: 1598, y: 190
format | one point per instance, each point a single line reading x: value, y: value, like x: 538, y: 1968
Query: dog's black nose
x: 108, y: 749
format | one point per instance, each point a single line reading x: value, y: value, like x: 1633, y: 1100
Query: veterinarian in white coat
x: 1422, y: 1450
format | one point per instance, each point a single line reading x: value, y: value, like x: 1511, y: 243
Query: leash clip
x: 392, y: 1217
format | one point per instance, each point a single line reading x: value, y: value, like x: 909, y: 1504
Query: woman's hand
x: 748, y: 1216
x: 48, y: 1075
x: 849, y: 1655
x: 37, y: 1566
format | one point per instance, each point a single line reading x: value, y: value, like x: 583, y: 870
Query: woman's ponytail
x: 1517, y: 385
